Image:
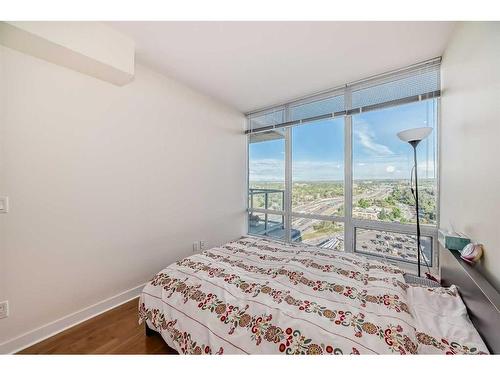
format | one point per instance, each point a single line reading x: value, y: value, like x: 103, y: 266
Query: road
x: 329, y: 207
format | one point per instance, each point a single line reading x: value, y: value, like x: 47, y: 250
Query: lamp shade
x: 415, y: 134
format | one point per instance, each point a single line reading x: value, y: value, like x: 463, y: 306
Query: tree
x: 363, y: 203
x: 382, y: 215
x: 396, y: 213
x: 390, y: 199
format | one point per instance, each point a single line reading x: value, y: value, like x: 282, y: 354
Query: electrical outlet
x: 196, y: 246
x: 4, y: 205
x: 4, y: 309
x: 203, y: 245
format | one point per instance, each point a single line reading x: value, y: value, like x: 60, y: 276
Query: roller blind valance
x: 418, y: 82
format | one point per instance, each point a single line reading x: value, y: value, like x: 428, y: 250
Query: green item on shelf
x: 452, y: 241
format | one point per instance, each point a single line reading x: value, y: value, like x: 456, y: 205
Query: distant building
x: 370, y: 213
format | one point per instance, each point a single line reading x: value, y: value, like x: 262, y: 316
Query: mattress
x: 257, y: 296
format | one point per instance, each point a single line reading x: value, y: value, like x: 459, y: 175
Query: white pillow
x: 441, y: 322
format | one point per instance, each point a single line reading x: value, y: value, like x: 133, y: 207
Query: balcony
x: 267, y: 224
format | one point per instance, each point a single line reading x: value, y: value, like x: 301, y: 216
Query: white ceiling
x: 250, y: 65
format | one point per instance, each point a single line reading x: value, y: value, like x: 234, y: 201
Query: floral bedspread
x: 256, y: 296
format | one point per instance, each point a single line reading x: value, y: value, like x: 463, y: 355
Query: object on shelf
x: 472, y: 253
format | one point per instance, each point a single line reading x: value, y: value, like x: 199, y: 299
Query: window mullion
x: 287, y: 205
x: 348, y: 227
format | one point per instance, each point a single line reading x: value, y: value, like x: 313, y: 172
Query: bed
x: 257, y: 296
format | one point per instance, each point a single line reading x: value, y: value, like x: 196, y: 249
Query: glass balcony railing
x: 268, y: 199
x: 267, y: 224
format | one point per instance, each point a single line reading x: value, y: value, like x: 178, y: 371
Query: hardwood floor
x: 113, y: 332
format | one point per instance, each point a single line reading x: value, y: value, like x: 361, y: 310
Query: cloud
x: 317, y: 170
x: 302, y: 170
x: 367, y: 139
x: 267, y: 170
x: 393, y: 166
x: 380, y: 169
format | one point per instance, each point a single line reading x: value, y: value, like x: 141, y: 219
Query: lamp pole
x: 414, y: 145
x: 413, y: 137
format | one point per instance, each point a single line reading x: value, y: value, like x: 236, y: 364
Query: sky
x: 318, y: 148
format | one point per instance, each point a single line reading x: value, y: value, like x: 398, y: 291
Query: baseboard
x: 39, y: 334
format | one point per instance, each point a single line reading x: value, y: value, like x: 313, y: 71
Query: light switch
x: 4, y: 309
x: 4, y: 205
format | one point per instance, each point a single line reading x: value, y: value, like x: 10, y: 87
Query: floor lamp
x: 413, y: 137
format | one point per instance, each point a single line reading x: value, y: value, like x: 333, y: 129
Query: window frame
x: 350, y: 224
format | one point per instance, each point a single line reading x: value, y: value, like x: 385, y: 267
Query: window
x: 322, y: 233
x: 382, y: 164
x: 266, y: 184
x: 317, y: 157
x: 393, y: 245
x: 318, y: 168
x: 330, y: 171
x: 263, y: 224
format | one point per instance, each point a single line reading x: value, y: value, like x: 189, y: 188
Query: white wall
x: 107, y: 184
x: 470, y: 138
